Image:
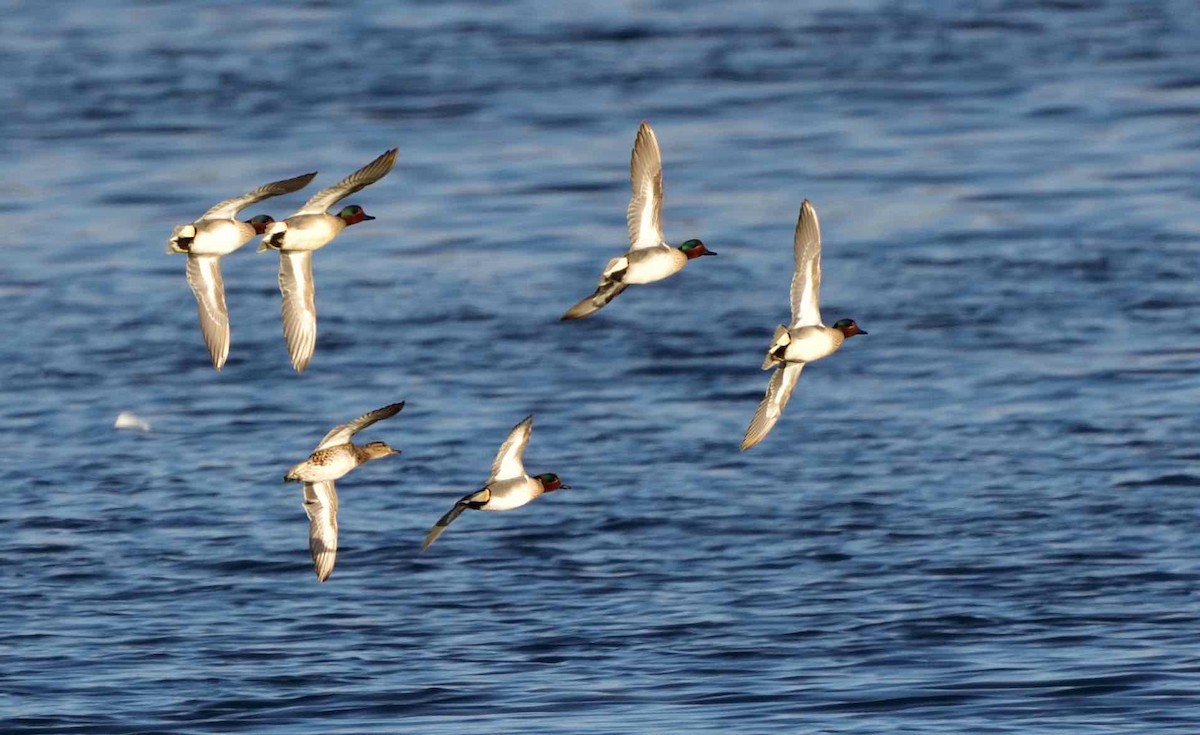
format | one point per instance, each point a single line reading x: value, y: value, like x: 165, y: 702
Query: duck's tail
x: 778, y: 346
x: 273, y: 238
x: 181, y: 239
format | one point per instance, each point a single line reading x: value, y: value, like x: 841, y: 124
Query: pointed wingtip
x: 750, y: 439
x: 383, y: 164
x: 429, y: 539
x: 584, y: 308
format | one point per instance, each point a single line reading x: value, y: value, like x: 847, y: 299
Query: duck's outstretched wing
x: 474, y: 500
x: 321, y: 505
x: 230, y: 207
x: 508, y: 464
x: 779, y: 390
x: 299, y: 305
x: 644, y: 215
x: 365, y: 176
x: 343, y: 433
x: 806, y: 282
x: 604, y: 293
x: 204, y: 276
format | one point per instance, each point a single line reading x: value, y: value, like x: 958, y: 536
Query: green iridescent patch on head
x: 694, y: 249
x: 350, y: 211
x: 551, y: 481
x: 848, y: 327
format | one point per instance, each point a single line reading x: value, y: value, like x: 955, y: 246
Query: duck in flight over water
x: 807, y: 339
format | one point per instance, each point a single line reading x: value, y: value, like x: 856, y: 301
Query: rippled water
x: 981, y: 518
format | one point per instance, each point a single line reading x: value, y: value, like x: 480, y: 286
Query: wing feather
x: 321, y: 505
x: 345, y: 432
x: 644, y: 216
x: 365, y: 176
x: 806, y: 282
x: 299, y: 307
x: 779, y: 390
x: 508, y: 464
x: 204, y: 276
x: 604, y: 293
x: 230, y: 207
x: 442, y: 523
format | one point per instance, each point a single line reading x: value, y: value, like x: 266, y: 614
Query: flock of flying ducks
x: 650, y: 258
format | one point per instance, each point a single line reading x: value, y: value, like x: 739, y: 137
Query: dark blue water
x: 981, y: 518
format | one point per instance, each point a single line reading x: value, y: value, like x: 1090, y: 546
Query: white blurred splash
x: 129, y: 421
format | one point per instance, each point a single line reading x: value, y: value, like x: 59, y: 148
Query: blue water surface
x: 981, y: 518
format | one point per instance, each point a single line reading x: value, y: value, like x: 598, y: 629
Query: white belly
x: 509, y: 494
x: 653, y: 264
x: 812, y: 343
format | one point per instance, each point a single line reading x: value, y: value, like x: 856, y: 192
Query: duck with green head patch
x: 649, y: 258
x: 807, y: 339
x: 309, y: 229
x: 507, y: 487
x: 218, y: 232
